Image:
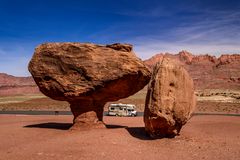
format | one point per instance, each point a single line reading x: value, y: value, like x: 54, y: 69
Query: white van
x: 122, y: 110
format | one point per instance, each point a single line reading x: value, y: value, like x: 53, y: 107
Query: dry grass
x: 44, y: 103
x: 19, y: 98
x: 218, y: 107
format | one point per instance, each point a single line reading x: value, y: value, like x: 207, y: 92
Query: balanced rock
x: 170, y: 99
x: 87, y: 76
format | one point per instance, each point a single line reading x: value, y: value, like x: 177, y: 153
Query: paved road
x: 105, y: 113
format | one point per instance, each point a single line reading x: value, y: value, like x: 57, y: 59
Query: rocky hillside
x: 208, y: 72
x: 10, y: 85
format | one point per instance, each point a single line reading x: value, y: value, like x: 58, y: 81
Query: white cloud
x: 147, y: 49
x: 215, y: 33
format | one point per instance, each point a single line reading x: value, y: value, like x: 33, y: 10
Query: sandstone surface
x: 87, y: 76
x: 170, y: 99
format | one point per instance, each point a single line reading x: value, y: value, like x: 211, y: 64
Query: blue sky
x: 152, y: 26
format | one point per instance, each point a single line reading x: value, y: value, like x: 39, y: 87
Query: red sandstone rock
x: 87, y: 76
x: 228, y: 59
x: 170, y: 99
x: 186, y: 57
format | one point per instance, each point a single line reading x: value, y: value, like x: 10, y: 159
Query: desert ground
x: 48, y: 137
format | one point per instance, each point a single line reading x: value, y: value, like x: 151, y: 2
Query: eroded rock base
x: 87, y: 115
x: 160, y: 128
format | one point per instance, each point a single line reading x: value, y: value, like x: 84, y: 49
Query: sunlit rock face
x: 170, y: 99
x: 87, y: 76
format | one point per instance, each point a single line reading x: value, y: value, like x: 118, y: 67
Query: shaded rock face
x: 87, y: 76
x: 170, y: 99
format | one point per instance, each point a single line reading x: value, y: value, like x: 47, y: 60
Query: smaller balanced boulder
x: 170, y: 99
x: 87, y: 76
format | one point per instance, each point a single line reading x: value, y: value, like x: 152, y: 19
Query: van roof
x: 121, y: 105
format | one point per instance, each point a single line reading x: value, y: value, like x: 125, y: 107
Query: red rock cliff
x: 10, y: 85
x: 208, y: 72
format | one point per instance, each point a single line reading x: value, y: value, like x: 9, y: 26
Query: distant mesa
x: 87, y: 76
x: 208, y: 72
x: 11, y: 85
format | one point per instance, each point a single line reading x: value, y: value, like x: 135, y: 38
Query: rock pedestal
x: 170, y: 99
x: 87, y: 76
x: 87, y: 114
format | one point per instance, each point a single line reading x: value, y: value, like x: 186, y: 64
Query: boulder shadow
x: 113, y: 126
x: 51, y: 125
x: 139, y: 132
x: 66, y: 126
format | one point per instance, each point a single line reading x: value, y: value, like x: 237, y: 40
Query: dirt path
x: 47, y: 137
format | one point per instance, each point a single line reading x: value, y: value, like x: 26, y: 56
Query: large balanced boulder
x: 87, y: 76
x: 170, y: 99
